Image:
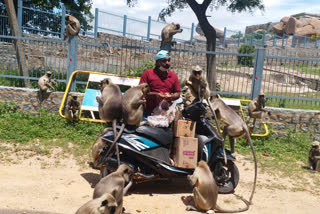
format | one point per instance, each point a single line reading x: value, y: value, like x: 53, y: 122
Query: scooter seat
x: 164, y: 136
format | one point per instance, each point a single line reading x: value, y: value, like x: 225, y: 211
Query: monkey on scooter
x: 234, y: 127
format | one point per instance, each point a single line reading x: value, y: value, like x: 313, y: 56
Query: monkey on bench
x: 234, y: 127
x: 105, y: 204
x: 73, y: 26
x: 167, y: 34
x: 205, y: 190
x: 256, y: 109
x: 114, y: 184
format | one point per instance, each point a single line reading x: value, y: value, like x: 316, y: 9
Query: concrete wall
x: 281, y: 120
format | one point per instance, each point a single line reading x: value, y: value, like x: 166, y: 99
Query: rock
x: 219, y: 33
x: 290, y: 27
x: 278, y: 28
x: 305, y: 31
x: 285, y: 19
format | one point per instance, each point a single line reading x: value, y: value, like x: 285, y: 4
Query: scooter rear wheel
x: 226, y: 176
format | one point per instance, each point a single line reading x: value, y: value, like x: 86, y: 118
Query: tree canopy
x: 47, y: 21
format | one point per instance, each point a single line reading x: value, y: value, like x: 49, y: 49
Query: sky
x: 220, y: 18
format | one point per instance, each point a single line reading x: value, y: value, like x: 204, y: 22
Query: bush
x: 246, y: 60
x: 137, y: 71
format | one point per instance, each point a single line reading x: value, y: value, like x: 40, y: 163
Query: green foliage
x: 8, y: 107
x: 22, y: 127
x: 49, y: 18
x: 137, y: 71
x: 246, y: 60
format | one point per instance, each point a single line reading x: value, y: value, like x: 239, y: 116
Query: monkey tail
x: 115, y: 143
x: 222, y: 210
x: 255, y: 163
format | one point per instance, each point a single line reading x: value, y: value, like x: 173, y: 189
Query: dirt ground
x: 30, y: 183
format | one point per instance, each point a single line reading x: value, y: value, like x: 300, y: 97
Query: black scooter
x: 147, y: 151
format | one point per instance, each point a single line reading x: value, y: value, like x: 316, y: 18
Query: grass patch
x: 47, y: 128
x: 288, y: 154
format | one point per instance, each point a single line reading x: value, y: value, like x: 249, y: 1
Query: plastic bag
x: 163, y: 115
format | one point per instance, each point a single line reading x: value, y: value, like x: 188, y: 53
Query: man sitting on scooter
x: 163, y: 83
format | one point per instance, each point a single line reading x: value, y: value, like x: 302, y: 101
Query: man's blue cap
x: 163, y: 54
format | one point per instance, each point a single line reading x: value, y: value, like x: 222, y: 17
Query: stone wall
x: 280, y: 122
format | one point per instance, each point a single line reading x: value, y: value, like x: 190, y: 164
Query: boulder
x: 285, y: 19
x: 278, y: 28
x: 290, y: 27
x: 307, y: 30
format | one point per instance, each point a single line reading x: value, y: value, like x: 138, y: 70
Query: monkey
x: 73, y: 26
x: 132, y: 104
x: 167, y: 34
x: 234, y: 127
x: 45, y: 83
x: 97, y: 148
x: 188, y: 97
x: 114, y: 184
x: 73, y: 107
x: 105, y: 204
x: 109, y: 105
x: 198, y: 84
x: 205, y: 190
x: 314, y: 156
x: 256, y: 109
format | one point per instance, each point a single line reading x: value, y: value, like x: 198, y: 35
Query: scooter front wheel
x: 226, y: 176
x: 104, y: 171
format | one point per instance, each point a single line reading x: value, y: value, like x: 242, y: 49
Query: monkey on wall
x: 198, y: 84
x: 73, y: 107
x: 167, y: 34
x: 314, y: 156
x: 73, y: 26
x: 205, y: 190
x: 105, y: 204
x: 114, y: 184
x: 45, y: 83
x: 234, y: 127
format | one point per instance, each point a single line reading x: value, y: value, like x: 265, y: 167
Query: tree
x: 209, y: 32
x: 35, y: 20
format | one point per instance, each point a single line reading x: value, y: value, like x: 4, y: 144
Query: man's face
x: 165, y: 62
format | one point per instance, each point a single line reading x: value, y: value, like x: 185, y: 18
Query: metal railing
x: 285, y: 79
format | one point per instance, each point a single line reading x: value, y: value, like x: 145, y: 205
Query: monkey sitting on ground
x: 314, y: 156
x: 105, y: 204
x: 167, y: 34
x: 73, y: 107
x: 234, y: 127
x: 45, y: 83
x: 205, y: 190
x: 114, y: 184
x: 197, y: 84
x: 73, y: 26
